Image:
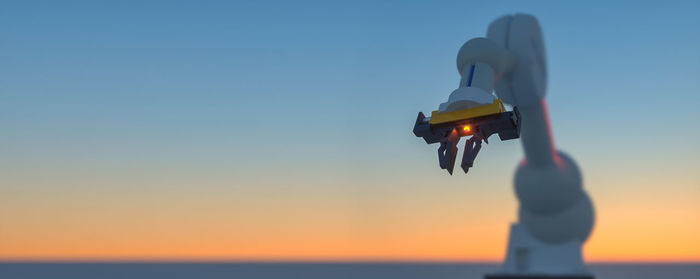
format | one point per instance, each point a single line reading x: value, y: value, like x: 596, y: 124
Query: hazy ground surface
x: 314, y: 270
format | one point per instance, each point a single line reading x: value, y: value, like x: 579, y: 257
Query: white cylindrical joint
x: 479, y: 75
x: 480, y: 62
x: 482, y: 50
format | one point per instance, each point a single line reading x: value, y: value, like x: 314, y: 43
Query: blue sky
x: 233, y: 75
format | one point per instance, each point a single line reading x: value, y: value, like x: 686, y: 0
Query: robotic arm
x: 555, y: 214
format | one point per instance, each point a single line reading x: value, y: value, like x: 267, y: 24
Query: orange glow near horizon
x: 326, y: 214
x: 414, y: 226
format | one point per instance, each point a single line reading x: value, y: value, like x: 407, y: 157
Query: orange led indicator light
x: 467, y: 128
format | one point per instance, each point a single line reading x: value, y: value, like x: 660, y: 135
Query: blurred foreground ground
x: 316, y: 270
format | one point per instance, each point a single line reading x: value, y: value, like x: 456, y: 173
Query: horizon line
x: 306, y: 261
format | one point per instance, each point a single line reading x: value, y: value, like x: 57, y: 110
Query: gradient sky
x: 257, y: 130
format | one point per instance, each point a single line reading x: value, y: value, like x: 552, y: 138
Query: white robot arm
x: 555, y: 215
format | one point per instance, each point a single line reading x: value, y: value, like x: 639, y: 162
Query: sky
x: 258, y: 130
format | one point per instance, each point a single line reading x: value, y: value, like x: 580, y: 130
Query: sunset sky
x: 254, y: 130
